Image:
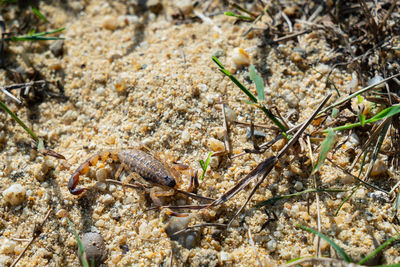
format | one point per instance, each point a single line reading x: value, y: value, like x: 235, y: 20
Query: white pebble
x: 7, y: 246
x: 354, y: 140
x: 107, y: 199
x: 15, y: 194
x: 375, y: 80
x: 352, y: 85
x: 230, y: 114
x: 290, y: 98
x: 240, y: 58
x: 271, y: 245
x: 185, y: 6
x: 379, y: 168
x: 185, y: 137
x: 224, y: 256
x: 322, y: 68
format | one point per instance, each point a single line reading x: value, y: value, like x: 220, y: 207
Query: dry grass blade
x: 261, y: 168
x: 265, y: 167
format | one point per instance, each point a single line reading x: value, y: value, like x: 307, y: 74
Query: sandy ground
x: 144, y: 78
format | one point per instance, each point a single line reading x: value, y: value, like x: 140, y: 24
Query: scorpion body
x: 132, y: 160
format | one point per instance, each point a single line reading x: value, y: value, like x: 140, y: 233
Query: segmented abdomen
x: 151, y: 169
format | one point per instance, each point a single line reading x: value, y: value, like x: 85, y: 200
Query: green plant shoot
x: 386, y: 113
x: 326, y: 145
x: 258, y: 81
x: 204, y: 165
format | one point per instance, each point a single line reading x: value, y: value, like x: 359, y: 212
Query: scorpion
x: 139, y: 162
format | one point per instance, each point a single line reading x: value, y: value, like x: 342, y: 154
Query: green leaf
x: 204, y: 165
x: 233, y: 79
x: 361, y: 118
x: 40, y: 15
x: 386, y: 113
x: 379, y: 249
x: 15, y: 117
x: 326, y: 145
x: 339, y: 250
x: 40, y: 36
x: 80, y: 245
x: 258, y: 81
x: 252, y: 98
x: 238, y: 16
x: 335, y: 112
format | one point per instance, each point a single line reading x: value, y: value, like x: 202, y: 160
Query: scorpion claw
x: 77, y: 191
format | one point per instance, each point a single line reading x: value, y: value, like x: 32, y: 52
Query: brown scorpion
x: 136, y: 161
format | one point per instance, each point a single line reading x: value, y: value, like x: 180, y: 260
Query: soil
x: 130, y: 75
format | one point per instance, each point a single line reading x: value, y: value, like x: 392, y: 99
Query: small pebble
x: 120, y: 85
x: 102, y: 174
x: 61, y: 213
x: 185, y: 137
x: 188, y: 239
x: 352, y: 85
x: 185, y: 6
x: 110, y: 23
x: 323, y: 68
x: 271, y: 245
x: 257, y: 134
x: 290, y: 98
x: 215, y: 145
x: 95, y: 249
x: 7, y: 246
x: 240, y: 58
x: 375, y: 80
x: 379, y: 168
x: 224, y: 257
x: 230, y: 114
x: 298, y: 186
x: 56, y: 47
x: 15, y: 194
x: 107, y: 199
x: 354, y: 140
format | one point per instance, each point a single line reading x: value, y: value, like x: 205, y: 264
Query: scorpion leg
x: 154, y: 195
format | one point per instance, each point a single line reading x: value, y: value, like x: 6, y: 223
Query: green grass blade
x: 379, y: 249
x: 231, y: 14
x: 80, y: 245
x: 326, y: 146
x: 363, y: 90
x: 26, y: 128
x: 36, y: 36
x: 339, y: 250
x: 361, y: 118
x: 346, y: 199
x: 386, y: 113
x: 40, y: 15
x: 234, y: 5
x: 204, y: 165
x: 252, y: 98
x: 233, y: 79
x: 258, y: 81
